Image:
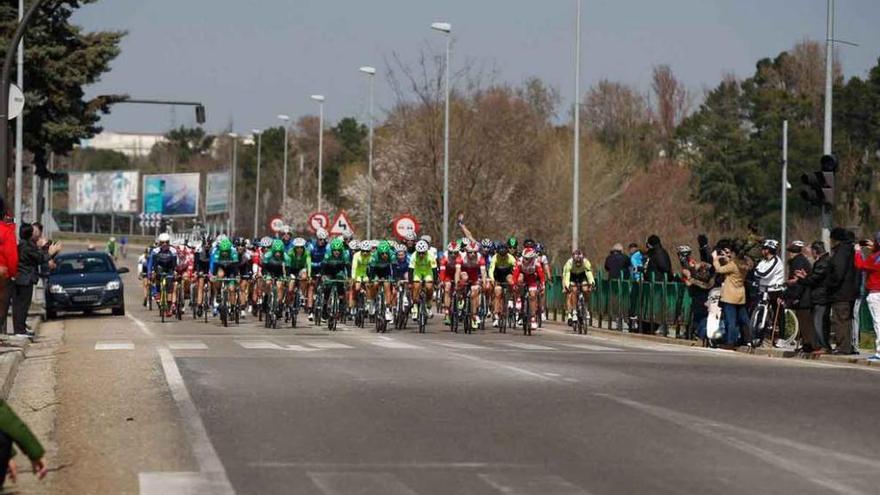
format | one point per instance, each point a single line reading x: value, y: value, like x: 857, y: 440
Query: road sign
x: 16, y: 101
x: 150, y: 219
x: 318, y: 220
x: 402, y: 225
x: 341, y: 224
x: 276, y: 224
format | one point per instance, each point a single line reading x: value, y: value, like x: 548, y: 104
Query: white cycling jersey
x: 771, y: 274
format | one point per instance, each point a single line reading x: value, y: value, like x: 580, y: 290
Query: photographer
x: 730, y: 264
x: 869, y: 263
x: 699, y: 277
x: 797, y: 297
x: 33, y: 252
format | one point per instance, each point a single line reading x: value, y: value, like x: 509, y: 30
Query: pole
x: 300, y: 178
x: 320, y: 151
x: 370, y: 167
x: 4, y: 94
x: 233, y: 180
x: 826, y: 141
x: 284, y: 179
x: 257, y: 198
x: 783, y: 230
x: 446, y: 149
x: 576, y: 174
x: 19, y: 129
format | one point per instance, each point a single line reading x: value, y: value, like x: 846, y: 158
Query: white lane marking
x: 570, y: 380
x: 209, y: 463
x: 552, y: 374
x: 528, y: 347
x: 528, y: 484
x: 592, y: 347
x: 747, y: 440
x: 458, y: 345
x: 142, y: 326
x: 392, y: 344
x: 294, y: 347
x: 258, y: 344
x: 186, y: 345
x: 106, y: 345
x: 173, y: 483
x: 495, y: 366
x: 360, y: 483
x: 338, y: 466
x: 327, y: 344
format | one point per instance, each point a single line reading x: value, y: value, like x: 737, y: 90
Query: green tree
x: 187, y: 142
x: 60, y: 59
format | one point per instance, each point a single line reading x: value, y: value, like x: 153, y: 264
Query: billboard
x: 103, y: 192
x: 172, y: 195
x: 217, y: 193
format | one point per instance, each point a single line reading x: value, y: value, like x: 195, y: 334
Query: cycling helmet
x: 512, y: 243
x: 353, y: 245
x: 410, y: 236
x: 299, y: 242
x: 771, y: 244
x: 540, y: 248
x: 348, y: 235
x: 529, y: 243
x: 266, y: 242
x: 401, y: 248
x: 277, y: 246
x: 337, y: 245
x: 472, y: 247
x: 684, y: 250
x: 529, y: 254
x: 164, y: 237
x: 221, y: 237
x: 422, y: 246
x: 451, y: 248
x: 322, y: 235
x: 486, y: 244
x: 224, y: 245
x: 426, y: 238
x: 384, y: 247
x: 112, y: 239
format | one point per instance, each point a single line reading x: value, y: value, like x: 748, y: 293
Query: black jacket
x: 617, y: 265
x: 843, y: 280
x: 797, y: 296
x: 30, y: 258
x: 815, y: 281
x: 658, y: 264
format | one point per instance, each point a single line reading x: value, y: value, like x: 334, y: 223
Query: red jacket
x: 871, y: 267
x: 8, y: 248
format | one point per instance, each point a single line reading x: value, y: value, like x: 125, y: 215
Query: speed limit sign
x: 403, y: 225
x: 276, y: 224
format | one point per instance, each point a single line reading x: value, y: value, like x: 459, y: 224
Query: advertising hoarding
x: 217, y: 193
x: 172, y: 195
x: 103, y: 192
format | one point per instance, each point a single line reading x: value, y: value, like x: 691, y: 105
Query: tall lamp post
x: 232, y: 179
x: 371, y: 72
x: 320, y: 100
x: 576, y: 173
x: 286, y: 120
x: 259, y: 134
x: 445, y: 27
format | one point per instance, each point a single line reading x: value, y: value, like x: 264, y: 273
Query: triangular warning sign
x: 341, y: 224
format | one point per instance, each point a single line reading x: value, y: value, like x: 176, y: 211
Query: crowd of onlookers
x: 823, y: 285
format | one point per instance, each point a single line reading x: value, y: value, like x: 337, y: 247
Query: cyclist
x: 529, y: 273
x: 334, y: 268
x: 770, y: 275
x: 577, y: 275
x: 445, y: 273
x: 185, y: 267
x: 143, y: 274
x: 276, y: 264
x: 300, y: 268
x: 400, y: 272
x: 410, y: 240
x: 500, y: 272
x: 224, y: 264
x: 162, y: 263
x: 245, y: 270
x: 513, y: 246
x: 317, y: 252
x: 112, y: 248
x: 487, y: 248
x: 379, y: 274
x: 470, y: 270
x: 360, y: 261
x: 544, y: 260
x: 422, y: 264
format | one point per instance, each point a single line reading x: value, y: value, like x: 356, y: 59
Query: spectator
x: 123, y: 250
x: 699, y: 277
x: 730, y: 263
x: 617, y: 263
x: 8, y: 262
x: 111, y: 247
x: 797, y: 297
x: 636, y: 262
x: 659, y: 266
x: 842, y: 284
x: 814, y: 282
x: 870, y: 264
x: 14, y: 430
x: 30, y: 259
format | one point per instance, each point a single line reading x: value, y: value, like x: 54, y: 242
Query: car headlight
x: 56, y: 289
x: 113, y: 285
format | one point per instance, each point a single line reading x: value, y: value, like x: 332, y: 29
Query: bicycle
x: 162, y: 303
x: 758, y: 323
x: 334, y: 305
x: 270, y: 304
x: 461, y: 310
x: 226, y: 309
x: 379, y: 307
x: 400, y: 308
x: 178, y: 308
x: 360, y: 311
x: 422, y: 311
x: 526, y: 311
x: 581, y: 312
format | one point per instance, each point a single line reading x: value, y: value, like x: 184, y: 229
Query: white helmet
x: 112, y: 239
x: 422, y: 247
x: 354, y: 245
x: 265, y: 242
x: 771, y: 244
x: 322, y: 234
x: 299, y: 242
x: 164, y: 237
x: 411, y: 236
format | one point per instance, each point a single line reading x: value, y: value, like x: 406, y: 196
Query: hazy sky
x: 251, y: 60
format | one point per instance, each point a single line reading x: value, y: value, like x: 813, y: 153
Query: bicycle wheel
x: 526, y: 315
x: 163, y: 299
x: 757, y: 325
x: 792, y: 330
x: 454, y: 313
x: 332, y: 310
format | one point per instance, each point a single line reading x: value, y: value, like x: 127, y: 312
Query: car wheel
x: 51, y: 314
x: 120, y: 311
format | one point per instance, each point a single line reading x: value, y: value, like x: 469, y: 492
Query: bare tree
x: 672, y: 104
x: 616, y: 113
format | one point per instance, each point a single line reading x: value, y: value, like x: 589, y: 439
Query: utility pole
x: 576, y: 173
x: 19, y: 132
x: 826, y: 141
x: 784, y: 228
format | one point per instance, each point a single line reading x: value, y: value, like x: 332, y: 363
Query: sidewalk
x: 860, y: 359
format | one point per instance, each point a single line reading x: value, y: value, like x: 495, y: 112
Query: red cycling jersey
x: 472, y: 266
x: 532, y: 273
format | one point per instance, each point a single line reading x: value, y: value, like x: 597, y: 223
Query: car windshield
x: 84, y: 264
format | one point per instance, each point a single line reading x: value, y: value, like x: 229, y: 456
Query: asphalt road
x: 308, y: 411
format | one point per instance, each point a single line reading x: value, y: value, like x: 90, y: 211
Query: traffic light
x: 200, y: 114
x: 820, y: 187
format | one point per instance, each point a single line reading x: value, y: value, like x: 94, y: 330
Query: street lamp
x: 320, y: 100
x: 371, y: 72
x: 576, y: 173
x: 259, y: 134
x: 445, y: 27
x: 286, y: 120
x: 232, y: 211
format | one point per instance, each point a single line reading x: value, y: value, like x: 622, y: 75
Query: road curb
x: 858, y: 360
x: 11, y: 356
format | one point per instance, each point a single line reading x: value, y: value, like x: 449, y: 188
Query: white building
x: 129, y: 143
